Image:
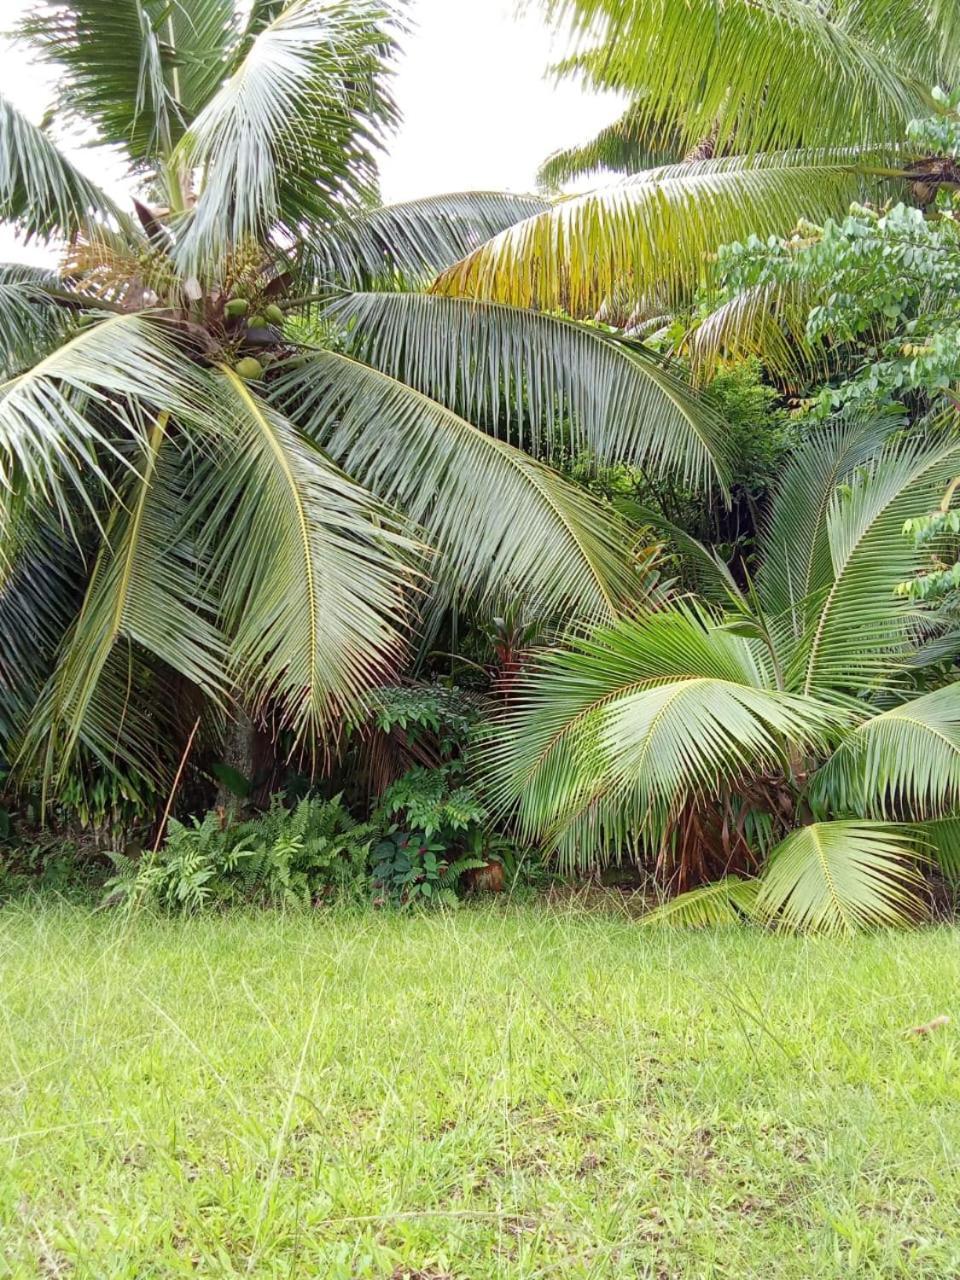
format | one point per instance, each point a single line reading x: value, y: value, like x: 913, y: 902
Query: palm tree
x: 742, y: 116
x: 200, y: 510
x: 791, y: 743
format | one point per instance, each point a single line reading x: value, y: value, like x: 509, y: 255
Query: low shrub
x: 284, y: 856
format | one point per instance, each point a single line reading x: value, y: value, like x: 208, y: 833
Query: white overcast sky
x: 479, y: 111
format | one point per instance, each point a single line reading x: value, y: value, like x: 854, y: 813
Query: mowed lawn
x: 505, y: 1091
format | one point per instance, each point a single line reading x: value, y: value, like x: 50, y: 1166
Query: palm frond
x: 501, y: 521
x: 51, y: 440
x: 653, y: 235
x: 770, y: 322
x: 756, y: 76
x: 608, y: 740
x: 795, y: 552
x: 856, y: 625
x: 290, y: 139
x: 840, y: 877
x: 410, y: 242
x: 526, y: 373
x: 30, y: 320
x: 627, y: 146
x: 312, y: 571
x: 726, y: 902
x: 110, y: 66
x: 41, y: 193
x: 146, y: 594
x: 40, y: 573
x: 905, y: 761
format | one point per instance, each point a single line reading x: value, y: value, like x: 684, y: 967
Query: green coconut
x: 249, y: 369
x: 258, y: 321
x: 236, y: 307
x: 274, y: 314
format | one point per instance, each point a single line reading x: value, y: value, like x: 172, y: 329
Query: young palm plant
x: 789, y: 750
x: 742, y: 116
x: 199, y: 510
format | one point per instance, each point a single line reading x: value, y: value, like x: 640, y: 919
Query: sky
x: 479, y: 111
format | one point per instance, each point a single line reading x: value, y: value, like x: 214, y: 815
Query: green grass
x: 508, y: 1091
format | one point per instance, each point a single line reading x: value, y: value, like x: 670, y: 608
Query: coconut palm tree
x: 790, y: 748
x: 743, y: 115
x: 205, y: 501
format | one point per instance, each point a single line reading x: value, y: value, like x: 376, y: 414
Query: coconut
x: 249, y: 369
x: 236, y: 307
x: 274, y: 314
x: 259, y: 321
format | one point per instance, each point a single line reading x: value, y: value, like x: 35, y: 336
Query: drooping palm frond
x: 610, y: 738
x: 857, y: 626
x: 146, y: 594
x: 767, y: 321
x: 726, y: 902
x: 290, y: 138
x: 903, y: 761
x: 39, y: 595
x: 653, y: 235
x: 759, y: 76
x: 525, y: 373
x: 628, y: 146
x: 30, y: 320
x: 410, y: 243
x: 839, y: 877
x: 50, y: 440
x: 41, y: 193
x: 315, y: 592
x: 922, y: 36
x: 500, y: 520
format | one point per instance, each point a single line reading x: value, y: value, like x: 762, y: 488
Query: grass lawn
x: 507, y: 1091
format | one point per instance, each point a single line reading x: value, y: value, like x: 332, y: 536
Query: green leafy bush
x: 411, y: 871
x: 284, y: 856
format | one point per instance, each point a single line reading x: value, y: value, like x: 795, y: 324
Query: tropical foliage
x: 742, y: 117
x: 203, y: 509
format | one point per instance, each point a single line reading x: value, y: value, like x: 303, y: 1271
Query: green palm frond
x: 411, y: 242
x: 109, y: 60
x: 500, y: 520
x: 795, y: 550
x: 839, y: 877
x: 726, y: 902
x: 30, y: 320
x: 767, y: 321
x: 614, y: 735
x: 315, y: 593
x: 525, y: 372
x: 654, y: 235
x: 51, y: 439
x: 856, y: 624
x: 921, y: 36
x: 39, y: 595
x: 290, y: 138
x: 941, y: 842
x: 906, y: 760
x: 628, y: 146
x: 146, y: 594
x: 758, y: 76
x: 41, y: 193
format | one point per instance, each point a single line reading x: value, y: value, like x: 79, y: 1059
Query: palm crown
x: 240, y: 449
